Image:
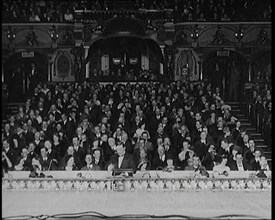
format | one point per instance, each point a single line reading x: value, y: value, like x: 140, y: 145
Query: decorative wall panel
x: 63, y: 66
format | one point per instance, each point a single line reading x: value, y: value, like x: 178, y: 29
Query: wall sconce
x: 10, y: 34
x: 53, y: 33
x: 196, y: 33
x: 239, y: 33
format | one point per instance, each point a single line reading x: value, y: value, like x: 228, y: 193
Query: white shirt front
x: 120, y: 159
x: 162, y: 158
x: 240, y: 167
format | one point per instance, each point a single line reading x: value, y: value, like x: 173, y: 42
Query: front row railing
x: 144, y: 181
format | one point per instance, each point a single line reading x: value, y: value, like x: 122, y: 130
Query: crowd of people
x: 131, y: 75
x: 188, y: 10
x: 140, y: 126
x: 258, y: 104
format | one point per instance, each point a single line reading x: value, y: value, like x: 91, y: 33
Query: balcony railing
x: 150, y: 181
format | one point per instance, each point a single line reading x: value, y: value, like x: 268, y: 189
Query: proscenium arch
x: 144, y: 42
x: 138, y: 46
x: 127, y: 27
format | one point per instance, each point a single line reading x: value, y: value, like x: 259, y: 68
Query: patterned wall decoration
x: 66, y: 37
x: 34, y: 37
x: 62, y: 67
x: 187, y: 65
x: 246, y: 38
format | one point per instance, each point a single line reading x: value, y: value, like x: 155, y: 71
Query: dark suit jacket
x: 129, y: 147
x: 100, y: 164
x: 248, y: 157
x: 95, y: 167
x: 81, y: 155
x: 201, y: 149
x: 127, y: 162
x: 157, y: 162
x: 38, y: 147
x: 233, y: 166
x: 53, y: 154
x: 48, y: 164
x: 254, y: 165
x: 107, y: 152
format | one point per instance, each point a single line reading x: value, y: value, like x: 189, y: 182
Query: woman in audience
x: 70, y: 164
x: 220, y: 168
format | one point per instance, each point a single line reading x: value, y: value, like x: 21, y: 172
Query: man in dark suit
x: 51, y: 154
x: 249, y: 154
x: 238, y: 163
x: 201, y: 146
x: 38, y: 142
x: 136, y: 124
x: 46, y: 162
x: 169, y: 150
x: 67, y: 126
x: 98, y: 159
x: 79, y: 152
x: 255, y: 161
x: 8, y: 156
x: 107, y: 152
x: 160, y: 158
x: 89, y: 163
x: 29, y: 136
x: 225, y: 148
x: 121, y: 160
x: 127, y: 143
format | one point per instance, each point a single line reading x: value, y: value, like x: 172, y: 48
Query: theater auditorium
x: 134, y: 109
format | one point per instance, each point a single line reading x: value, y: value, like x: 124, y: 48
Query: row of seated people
x: 138, y: 126
x: 206, y: 10
x: 127, y: 76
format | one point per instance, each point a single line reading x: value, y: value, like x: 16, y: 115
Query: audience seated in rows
x: 73, y: 126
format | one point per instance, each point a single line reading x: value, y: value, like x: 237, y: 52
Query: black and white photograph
x: 136, y: 109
